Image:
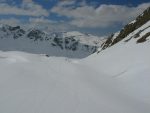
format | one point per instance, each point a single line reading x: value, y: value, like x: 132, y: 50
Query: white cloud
x: 10, y: 21
x: 47, y: 25
x: 38, y: 23
x: 29, y: 1
x: 27, y: 8
x: 41, y: 20
x: 102, y: 16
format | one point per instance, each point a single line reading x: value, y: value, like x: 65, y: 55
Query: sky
x: 98, y: 17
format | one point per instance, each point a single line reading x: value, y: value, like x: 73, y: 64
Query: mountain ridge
x: 68, y: 44
x: 129, y: 29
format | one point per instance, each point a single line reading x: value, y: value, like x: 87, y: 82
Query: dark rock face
x: 108, y: 42
x: 14, y: 28
x: 36, y: 35
x: 15, y: 32
x: 143, y: 38
x: 58, y: 42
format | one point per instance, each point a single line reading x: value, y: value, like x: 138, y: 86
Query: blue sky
x: 99, y: 17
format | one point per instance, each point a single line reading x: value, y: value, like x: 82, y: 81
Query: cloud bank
x: 27, y: 8
x: 69, y: 15
x: 102, y: 16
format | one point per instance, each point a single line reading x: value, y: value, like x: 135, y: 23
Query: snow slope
x: 127, y: 62
x: 35, y: 84
x: 115, y: 80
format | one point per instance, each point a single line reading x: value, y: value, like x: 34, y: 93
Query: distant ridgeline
x: 67, y: 44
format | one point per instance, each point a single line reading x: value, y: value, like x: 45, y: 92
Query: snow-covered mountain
x: 68, y: 44
x: 113, y: 80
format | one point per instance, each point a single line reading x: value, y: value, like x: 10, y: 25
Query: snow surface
x: 115, y: 80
